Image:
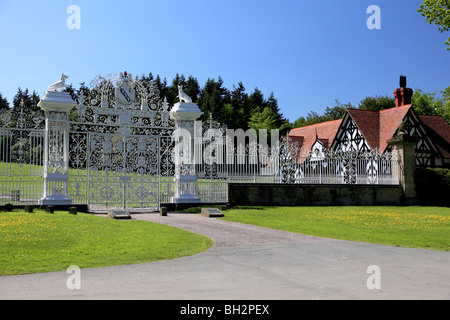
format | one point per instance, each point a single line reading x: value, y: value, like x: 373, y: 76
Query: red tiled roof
x: 368, y: 122
x: 376, y: 126
x: 379, y: 126
x: 325, y: 131
x: 390, y: 120
x: 439, y: 131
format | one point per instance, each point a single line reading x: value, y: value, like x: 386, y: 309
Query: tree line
x: 236, y: 108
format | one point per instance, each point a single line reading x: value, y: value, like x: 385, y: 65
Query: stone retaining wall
x: 314, y: 195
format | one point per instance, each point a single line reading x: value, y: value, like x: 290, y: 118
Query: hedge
x: 433, y: 186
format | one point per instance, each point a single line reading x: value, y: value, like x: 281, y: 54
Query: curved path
x: 225, y: 233
x: 248, y: 262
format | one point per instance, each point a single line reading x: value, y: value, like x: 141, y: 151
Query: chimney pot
x: 402, y: 82
x: 403, y: 94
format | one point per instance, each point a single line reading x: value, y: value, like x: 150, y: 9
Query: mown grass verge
x: 418, y: 227
x: 42, y: 242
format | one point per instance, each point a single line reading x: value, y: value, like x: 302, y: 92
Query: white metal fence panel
x: 21, y: 152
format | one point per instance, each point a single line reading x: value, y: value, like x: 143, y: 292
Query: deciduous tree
x: 437, y: 12
x: 431, y: 104
x: 377, y: 103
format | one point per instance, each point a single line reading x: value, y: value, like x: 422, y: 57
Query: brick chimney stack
x: 403, y: 94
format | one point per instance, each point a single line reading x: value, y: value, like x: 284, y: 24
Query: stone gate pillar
x: 56, y: 106
x: 406, y: 146
x: 185, y: 114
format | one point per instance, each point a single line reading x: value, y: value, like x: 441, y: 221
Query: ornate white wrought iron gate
x: 124, y: 171
x: 120, y: 147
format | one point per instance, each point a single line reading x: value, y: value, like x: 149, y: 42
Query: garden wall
x: 313, y: 195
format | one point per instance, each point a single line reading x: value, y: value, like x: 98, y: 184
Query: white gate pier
x: 185, y: 113
x: 56, y: 106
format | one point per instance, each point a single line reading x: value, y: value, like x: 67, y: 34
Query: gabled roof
x: 390, y: 120
x: 368, y: 122
x: 378, y: 126
x: 325, y: 132
x: 439, y: 131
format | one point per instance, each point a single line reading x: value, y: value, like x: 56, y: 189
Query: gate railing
x: 332, y: 168
x: 219, y: 162
x: 21, y: 155
x: 284, y: 162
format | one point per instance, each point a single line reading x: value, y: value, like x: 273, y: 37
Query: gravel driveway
x: 226, y: 233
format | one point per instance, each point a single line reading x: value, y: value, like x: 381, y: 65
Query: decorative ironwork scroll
x: 120, y: 144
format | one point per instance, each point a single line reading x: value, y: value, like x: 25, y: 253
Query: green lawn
x: 43, y: 242
x: 418, y: 227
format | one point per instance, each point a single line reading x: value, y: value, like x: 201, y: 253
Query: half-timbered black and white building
x: 364, y: 130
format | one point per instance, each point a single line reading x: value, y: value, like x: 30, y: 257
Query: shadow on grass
x: 198, y: 209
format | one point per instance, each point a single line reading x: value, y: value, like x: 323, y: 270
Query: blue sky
x: 308, y: 53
